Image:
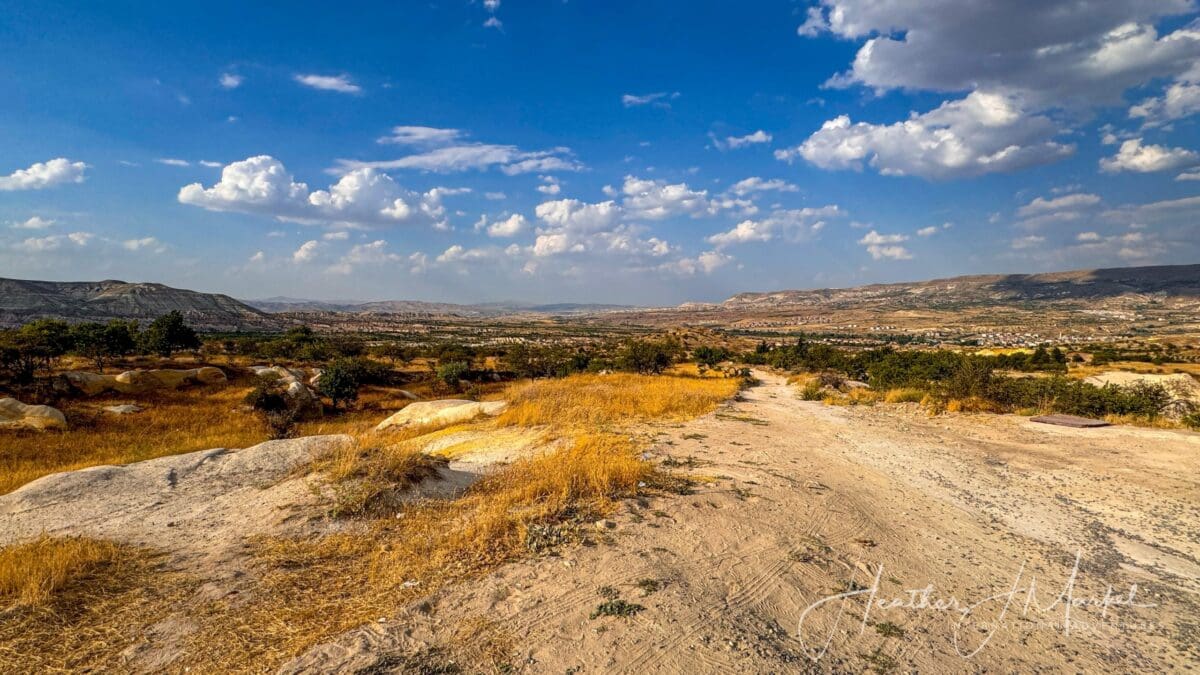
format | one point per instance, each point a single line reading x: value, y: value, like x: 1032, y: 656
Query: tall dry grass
x: 172, y: 423
x: 33, y: 573
x: 598, y: 401
x: 73, y: 604
x: 313, y: 589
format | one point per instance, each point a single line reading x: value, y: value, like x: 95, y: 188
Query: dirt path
x: 804, y: 502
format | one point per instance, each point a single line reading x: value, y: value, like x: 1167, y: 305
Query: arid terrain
x: 793, y: 504
x: 804, y: 502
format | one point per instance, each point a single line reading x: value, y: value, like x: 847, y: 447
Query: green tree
x: 102, y: 342
x: 34, y: 346
x: 452, y: 373
x: 168, y: 334
x: 395, y: 352
x: 340, y: 382
x: 648, y: 356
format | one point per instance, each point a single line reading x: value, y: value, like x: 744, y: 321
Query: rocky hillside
x: 1162, y: 282
x: 22, y: 301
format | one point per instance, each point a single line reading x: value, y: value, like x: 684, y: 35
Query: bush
x: 452, y: 373
x: 1192, y: 420
x: 340, y: 381
x: 274, y: 406
x: 811, y: 391
x: 648, y: 356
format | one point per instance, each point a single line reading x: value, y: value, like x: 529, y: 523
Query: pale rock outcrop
x: 445, y: 411
x: 307, y: 401
x: 17, y: 415
x: 196, y: 501
x: 123, y: 409
x: 140, y: 381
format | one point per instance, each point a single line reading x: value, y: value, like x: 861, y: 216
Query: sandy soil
x: 803, y: 503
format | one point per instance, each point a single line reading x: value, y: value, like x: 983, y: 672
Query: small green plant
x: 268, y: 399
x: 613, y: 605
x: 880, y: 662
x: 888, y: 629
x: 616, y: 607
x: 340, y: 382
x: 649, y: 586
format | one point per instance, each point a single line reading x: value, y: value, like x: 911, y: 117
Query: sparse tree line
x: 35, y: 347
x: 946, y: 375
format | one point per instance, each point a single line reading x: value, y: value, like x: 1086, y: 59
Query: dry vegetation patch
x: 70, y: 604
x: 172, y: 423
x: 316, y: 588
x: 592, y: 401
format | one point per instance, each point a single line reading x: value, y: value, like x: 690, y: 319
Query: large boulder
x: 90, y: 384
x: 443, y: 412
x: 17, y: 415
x: 198, y: 501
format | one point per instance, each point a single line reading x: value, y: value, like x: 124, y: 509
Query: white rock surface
x: 17, y: 415
x: 139, y: 381
x: 196, y: 500
x: 123, y: 409
x: 445, y: 411
x: 294, y: 386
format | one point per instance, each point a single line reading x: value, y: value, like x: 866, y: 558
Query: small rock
x: 605, y: 525
x: 124, y: 409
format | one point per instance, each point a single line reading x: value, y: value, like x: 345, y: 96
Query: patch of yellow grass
x: 172, y: 423
x: 314, y: 589
x: 973, y: 404
x: 592, y: 401
x: 858, y: 396
x: 904, y: 396
x: 73, y: 605
x: 31, y: 574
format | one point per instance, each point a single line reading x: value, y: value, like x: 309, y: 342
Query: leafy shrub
x: 648, y: 356
x: 340, y: 381
x: 168, y: 334
x: 452, y: 374
x: 275, y: 407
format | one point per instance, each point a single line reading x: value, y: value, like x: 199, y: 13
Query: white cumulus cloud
x: 1133, y: 156
x: 363, y: 197
x: 41, y: 175
x: 982, y: 133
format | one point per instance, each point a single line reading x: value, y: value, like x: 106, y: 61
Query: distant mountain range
x: 1177, y: 285
x: 22, y: 301
x: 280, y: 304
x: 1164, y: 280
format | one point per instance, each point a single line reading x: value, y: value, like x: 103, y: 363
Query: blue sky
x: 642, y: 153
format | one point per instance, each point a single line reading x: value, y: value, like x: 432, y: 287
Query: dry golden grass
x: 595, y: 401
x: 31, y: 574
x: 314, y: 589
x: 172, y: 423
x: 859, y: 396
x: 904, y: 396
x: 72, y: 605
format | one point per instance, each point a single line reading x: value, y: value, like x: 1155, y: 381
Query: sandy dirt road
x: 802, y: 503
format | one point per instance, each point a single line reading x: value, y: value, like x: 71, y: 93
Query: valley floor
x: 1030, y: 526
